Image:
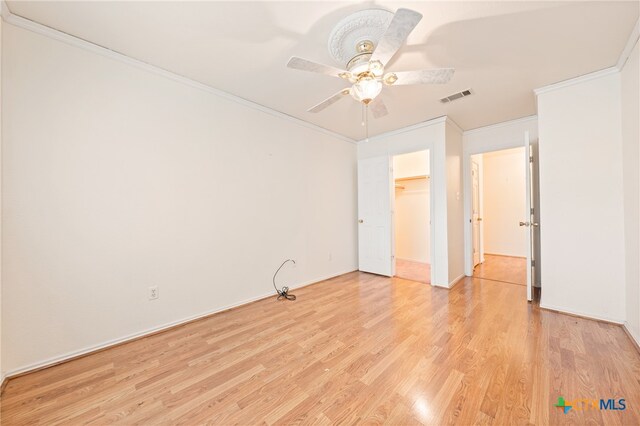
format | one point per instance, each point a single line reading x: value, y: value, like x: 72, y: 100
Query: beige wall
x: 1, y: 100
x: 504, y: 199
x: 455, y: 203
x: 581, y: 198
x: 117, y: 179
x: 630, y: 95
x: 411, y: 164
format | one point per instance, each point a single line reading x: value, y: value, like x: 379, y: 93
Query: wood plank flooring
x: 414, y: 271
x: 359, y: 348
x: 507, y: 269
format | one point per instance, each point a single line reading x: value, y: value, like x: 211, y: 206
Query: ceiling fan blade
x: 329, y: 101
x: 378, y: 108
x: 403, y: 22
x: 436, y: 76
x: 306, y: 65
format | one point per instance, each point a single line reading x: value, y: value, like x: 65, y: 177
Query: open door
x: 530, y: 215
x: 374, y: 216
x: 535, y: 213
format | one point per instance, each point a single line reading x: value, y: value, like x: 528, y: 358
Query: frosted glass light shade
x: 366, y: 89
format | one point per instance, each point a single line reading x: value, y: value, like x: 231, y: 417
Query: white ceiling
x: 501, y: 50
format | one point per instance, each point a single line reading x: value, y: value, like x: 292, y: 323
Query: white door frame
x: 493, y: 145
x: 432, y: 222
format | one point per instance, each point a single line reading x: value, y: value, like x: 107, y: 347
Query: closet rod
x: 412, y: 178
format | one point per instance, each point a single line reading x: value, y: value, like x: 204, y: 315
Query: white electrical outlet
x: 153, y: 292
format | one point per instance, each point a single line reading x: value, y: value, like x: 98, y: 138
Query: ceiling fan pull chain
x: 362, y: 116
x: 366, y: 121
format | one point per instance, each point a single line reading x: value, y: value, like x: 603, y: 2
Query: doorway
x: 498, y: 215
x: 412, y: 216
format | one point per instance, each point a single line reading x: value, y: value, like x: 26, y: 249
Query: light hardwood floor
x: 507, y: 269
x: 414, y: 271
x: 359, y: 348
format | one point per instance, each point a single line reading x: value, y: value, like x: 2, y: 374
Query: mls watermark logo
x: 562, y: 404
x: 583, y: 404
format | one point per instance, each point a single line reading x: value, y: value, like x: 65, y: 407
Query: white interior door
x: 528, y: 215
x: 535, y: 213
x: 475, y: 211
x: 374, y: 216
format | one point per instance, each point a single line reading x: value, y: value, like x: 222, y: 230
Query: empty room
x: 310, y: 212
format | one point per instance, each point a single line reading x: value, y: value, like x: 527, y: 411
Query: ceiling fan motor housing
x: 359, y: 63
x: 355, y: 37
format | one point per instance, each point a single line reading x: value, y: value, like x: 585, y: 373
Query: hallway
x: 506, y: 269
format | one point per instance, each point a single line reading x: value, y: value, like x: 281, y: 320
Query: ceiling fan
x: 368, y: 40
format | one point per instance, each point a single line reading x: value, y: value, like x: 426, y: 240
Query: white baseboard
x: 412, y: 260
x: 450, y: 284
x: 564, y: 310
x: 84, y: 351
x: 455, y: 280
x: 519, y: 256
x: 440, y: 285
x: 634, y: 338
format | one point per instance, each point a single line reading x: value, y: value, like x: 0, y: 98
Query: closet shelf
x: 412, y: 178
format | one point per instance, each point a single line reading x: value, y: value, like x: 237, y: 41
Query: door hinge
x: 532, y: 210
x: 530, y: 159
x: 533, y: 262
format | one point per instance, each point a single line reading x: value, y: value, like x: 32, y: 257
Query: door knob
x: 360, y: 221
x: 536, y: 224
x: 479, y: 219
x: 524, y: 223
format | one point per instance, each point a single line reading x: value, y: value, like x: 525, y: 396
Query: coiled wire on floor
x: 284, y: 293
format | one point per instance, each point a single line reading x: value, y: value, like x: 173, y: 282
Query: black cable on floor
x: 284, y: 293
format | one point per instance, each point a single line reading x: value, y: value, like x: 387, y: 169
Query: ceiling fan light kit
x: 366, y: 88
x: 365, y: 42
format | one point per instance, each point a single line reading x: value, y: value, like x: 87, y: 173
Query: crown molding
x: 577, y: 80
x: 622, y: 60
x: 628, y: 48
x: 71, y: 40
x: 4, y: 10
x: 433, y: 121
x: 501, y: 124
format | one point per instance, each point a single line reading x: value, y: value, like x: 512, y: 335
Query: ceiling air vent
x: 455, y: 96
